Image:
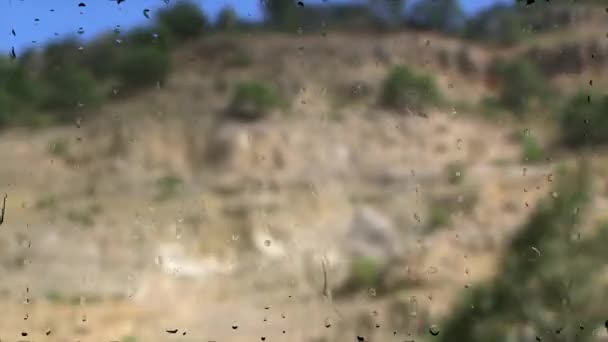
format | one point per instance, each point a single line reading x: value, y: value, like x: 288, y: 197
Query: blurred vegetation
x: 455, y: 172
x: 547, y: 284
x: 129, y: 339
x: 253, y: 100
x: 365, y: 273
x: 499, y: 24
x: 439, y: 15
x: 281, y: 14
x: 142, y: 67
x: 532, y: 152
x: 439, y: 216
x: 584, y: 120
x: 522, y: 86
x: 228, y: 19
x: 405, y: 88
x: 168, y: 187
x: 184, y: 21
x: 68, y: 77
x: 68, y: 89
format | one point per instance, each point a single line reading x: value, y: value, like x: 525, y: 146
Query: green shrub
x: 15, y: 81
x: 439, y: 216
x: 455, y: 173
x: 522, y: 85
x: 66, y: 88
x: 546, y: 283
x: 129, y: 339
x: 100, y: 57
x: 143, y: 37
x: 53, y: 296
x: 531, y: 150
x: 62, y: 53
x: 227, y: 19
x: 84, y: 217
x: 183, y: 21
x: 7, y: 109
x: 168, y: 187
x: 365, y: 273
x: 18, y: 92
x: 282, y: 14
x: 499, y: 24
x: 438, y: 15
x: 142, y: 67
x: 584, y: 119
x: 405, y: 88
x: 253, y: 100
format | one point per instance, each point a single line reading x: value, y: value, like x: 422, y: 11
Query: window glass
x: 316, y: 170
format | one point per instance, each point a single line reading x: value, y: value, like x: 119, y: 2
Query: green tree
x: 522, y: 84
x: 499, y: 24
x: 439, y: 15
x: 548, y: 286
x: 253, y: 100
x: 390, y: 10
x: 64, y: 52
x: 280, y: 14
x: 184, y: 21
x: 584, y: 119
x: 227, y: 19
x: 67, y: 88
x: 142, y: 67
x: 404, y: 88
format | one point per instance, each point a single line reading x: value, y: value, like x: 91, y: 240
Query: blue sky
x: 61, y: 18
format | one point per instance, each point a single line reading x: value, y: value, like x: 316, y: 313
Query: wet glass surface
x: 315, y: 171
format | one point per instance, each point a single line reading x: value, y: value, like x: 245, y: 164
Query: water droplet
x: 554, y: 194
x: 434, y: 330
x: 372, y: 291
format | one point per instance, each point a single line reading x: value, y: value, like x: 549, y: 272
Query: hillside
x: 179, y: 207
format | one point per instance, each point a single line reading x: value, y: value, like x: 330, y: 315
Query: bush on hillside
x: 547, y: 286
x: 227, y: 19
x: 281, y: 14
x: 142, y: 37
x: 531, y: 150
x: 66, y: 89
x: 253, y: 100
x: 522, y: 86
x: 7, y: 109
x: 16, y: 83
x: 584, y: 119
x: 100, y: 57
x: 61, y: 53
x: 142, y: 67
x: 405, y: 88
x: 500, y: 24
x: 183, y: 21
x: 438, y: 15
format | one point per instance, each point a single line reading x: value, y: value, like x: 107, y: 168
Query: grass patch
x: 253, y: 101
x: 439, y: 216
x: 532, y: 152
x: 46, y: 202
x: 405, y: 88
x: 168, y: 187
x: 455, y: 173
